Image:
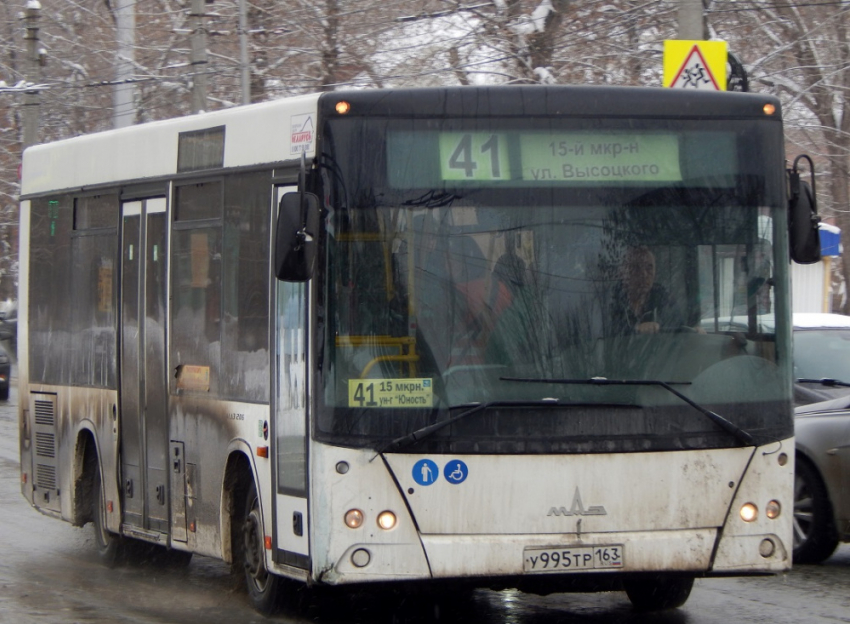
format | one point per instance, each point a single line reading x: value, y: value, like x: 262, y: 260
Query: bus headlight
x: 749, y: 512
x: 386, y: 520
x: 773, y: 509
x: 353, y: 518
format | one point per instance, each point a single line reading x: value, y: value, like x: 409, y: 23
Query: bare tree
x: 801, y: 53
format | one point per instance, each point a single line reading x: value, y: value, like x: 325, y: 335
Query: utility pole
x: 691, y: 20
x: 243, y: 53
x: 32, y: 63
x: 199, y: 56
x: 124, y: 91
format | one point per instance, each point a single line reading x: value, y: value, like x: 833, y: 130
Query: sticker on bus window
x: 391, y: 393
x: 191, y: 377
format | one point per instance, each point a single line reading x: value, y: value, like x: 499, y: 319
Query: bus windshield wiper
x: 729, y: 427
x: 826, y: 381
x: 424, y: 432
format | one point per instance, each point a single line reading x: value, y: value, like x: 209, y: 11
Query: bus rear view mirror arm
x: 296, y: 237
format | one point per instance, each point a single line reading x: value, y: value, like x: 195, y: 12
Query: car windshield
x: 822, y: 353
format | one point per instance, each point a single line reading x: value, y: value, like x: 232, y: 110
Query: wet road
x: 49, y: 575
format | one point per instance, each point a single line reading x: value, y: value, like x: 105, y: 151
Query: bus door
x: 144, y: 431
x: 290, y: 377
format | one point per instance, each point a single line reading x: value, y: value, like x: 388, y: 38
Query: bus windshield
x: 511, y: 263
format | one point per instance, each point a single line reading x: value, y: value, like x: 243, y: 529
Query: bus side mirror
x: 803, y: 219
x: 296, y: 237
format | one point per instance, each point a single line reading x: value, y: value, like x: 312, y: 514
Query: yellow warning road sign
x: 695, y: 64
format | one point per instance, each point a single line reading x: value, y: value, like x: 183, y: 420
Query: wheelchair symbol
x: 455, y: 471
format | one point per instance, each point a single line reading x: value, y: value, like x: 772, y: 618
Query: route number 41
x: 474, y: 156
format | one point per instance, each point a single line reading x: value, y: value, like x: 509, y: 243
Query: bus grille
x: 44, y: 437
x: 45, y: 445
x: 44, y: 413
x: 45, y: 476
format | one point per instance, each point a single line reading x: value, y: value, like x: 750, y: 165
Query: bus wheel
x: 658, y: 592
x: 815, y: 537
x: 262, y: 586
x: 108, y: 544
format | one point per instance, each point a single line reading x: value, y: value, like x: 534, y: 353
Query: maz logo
x: 578, y: 509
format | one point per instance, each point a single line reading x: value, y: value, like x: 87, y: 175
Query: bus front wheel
x: 657, y: 592
x: 263, y: 587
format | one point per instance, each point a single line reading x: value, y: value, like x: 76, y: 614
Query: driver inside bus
x: 640, y: 305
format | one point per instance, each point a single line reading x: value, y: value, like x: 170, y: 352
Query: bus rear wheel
x: 263, y: 587
x: 108, y: 544
x: 657, y: 592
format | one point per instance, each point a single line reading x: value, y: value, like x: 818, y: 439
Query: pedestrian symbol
x: 695, y: 65
x: 694, y: 73
x: 425, y: 472
x: 455, y: 471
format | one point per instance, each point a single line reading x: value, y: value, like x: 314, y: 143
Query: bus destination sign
x: 390, y: 393
x: 560, y: 157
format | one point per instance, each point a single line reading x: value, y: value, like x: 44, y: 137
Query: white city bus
x: 376, y: 337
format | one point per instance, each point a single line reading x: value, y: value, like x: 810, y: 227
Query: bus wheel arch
x: 89, y: 497
x: 237, y: 474
x: 86, y: 465
x: 108, y: 544
x: 245, y: 535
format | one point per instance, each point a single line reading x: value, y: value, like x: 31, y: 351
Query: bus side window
x: 196, y: 280
x: 245, y: 292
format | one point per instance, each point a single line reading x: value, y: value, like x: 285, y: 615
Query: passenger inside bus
x: 461, y: 299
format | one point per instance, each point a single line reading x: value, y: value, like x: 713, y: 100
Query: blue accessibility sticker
x: 455, y: 471
x: 425, y: 472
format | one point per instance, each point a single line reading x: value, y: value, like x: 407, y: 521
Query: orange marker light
x: 769, y: 109
x: 343, y: 107
x: 262, y: 451
x: 268, y: 542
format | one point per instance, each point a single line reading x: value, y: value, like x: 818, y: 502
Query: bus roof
x: 554, y: 100
x: 277, y: 131
x: 149, y: 151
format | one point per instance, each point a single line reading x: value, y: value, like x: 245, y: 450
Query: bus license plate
x: 571, y: 559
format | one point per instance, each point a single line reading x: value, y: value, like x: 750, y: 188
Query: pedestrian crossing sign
x: 695, y: 64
